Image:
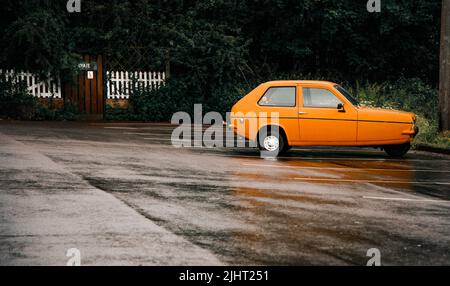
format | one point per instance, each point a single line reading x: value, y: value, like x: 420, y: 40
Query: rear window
x: 279, y: 97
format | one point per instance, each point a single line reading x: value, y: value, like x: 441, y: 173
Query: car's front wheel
x: 271, y: 143
x: 397, y: 150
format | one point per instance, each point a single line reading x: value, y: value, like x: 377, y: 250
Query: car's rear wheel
x: 397, y: 150
x: 271, y: 143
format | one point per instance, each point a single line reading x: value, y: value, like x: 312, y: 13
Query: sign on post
x: 87, y: 66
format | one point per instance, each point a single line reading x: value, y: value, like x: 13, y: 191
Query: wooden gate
x: 87, y: 90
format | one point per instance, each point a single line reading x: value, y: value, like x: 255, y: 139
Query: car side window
x: 319, y: 98
x: 279, y: 97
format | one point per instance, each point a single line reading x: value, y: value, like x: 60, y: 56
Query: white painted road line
x: 344, y: 168
x: 334, y: 180
x: 406, y: 200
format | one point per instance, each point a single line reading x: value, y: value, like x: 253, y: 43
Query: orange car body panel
x: 305, y: 126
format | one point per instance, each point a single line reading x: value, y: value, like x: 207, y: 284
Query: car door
x: 282, y: 100
x: 320, y: 120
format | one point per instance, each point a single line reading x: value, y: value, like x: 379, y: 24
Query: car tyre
x: 286, y: 149
x: 397, y: 151
x: 271, y: 143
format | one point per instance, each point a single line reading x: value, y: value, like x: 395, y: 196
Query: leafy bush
x: 428, y: 129
x: 158, y: 104
x: 69, y: 112
x: 119, y: 114
x: 16, y: 102
x: 405, y: 94
x: 429, y: 134
x: 161, y: 104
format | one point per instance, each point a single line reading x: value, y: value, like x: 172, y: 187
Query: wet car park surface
x: 122, y: 194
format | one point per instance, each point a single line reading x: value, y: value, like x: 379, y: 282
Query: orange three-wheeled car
x: 318, y: 113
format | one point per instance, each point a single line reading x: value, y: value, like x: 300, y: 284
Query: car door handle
x: 302, y: 113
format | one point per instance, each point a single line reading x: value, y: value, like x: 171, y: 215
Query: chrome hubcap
x: 271, y: 143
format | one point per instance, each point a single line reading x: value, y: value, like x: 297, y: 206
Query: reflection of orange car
x: 317, y: 113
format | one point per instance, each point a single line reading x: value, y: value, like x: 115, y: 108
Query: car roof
x: 300, y: 82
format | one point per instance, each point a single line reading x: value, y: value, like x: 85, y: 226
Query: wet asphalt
x: 123, y: 195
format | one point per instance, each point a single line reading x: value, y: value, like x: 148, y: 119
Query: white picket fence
x: 119, y: 83
x: 42, y: 89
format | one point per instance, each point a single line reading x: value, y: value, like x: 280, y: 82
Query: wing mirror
x: 340, y: 107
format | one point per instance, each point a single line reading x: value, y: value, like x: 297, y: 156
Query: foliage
x: 69, y: 112
x: 161, y: 104
x: 158, y: 104
x: 430, y: 136
x: 118, y: 114
x: 16, y: 102
x: 428, y: 130
x: 36, y: 39
x: 404, y: 94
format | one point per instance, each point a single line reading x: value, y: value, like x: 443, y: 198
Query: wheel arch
x: 268, y: 128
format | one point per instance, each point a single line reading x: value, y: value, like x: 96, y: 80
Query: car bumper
x: 413, y: 132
